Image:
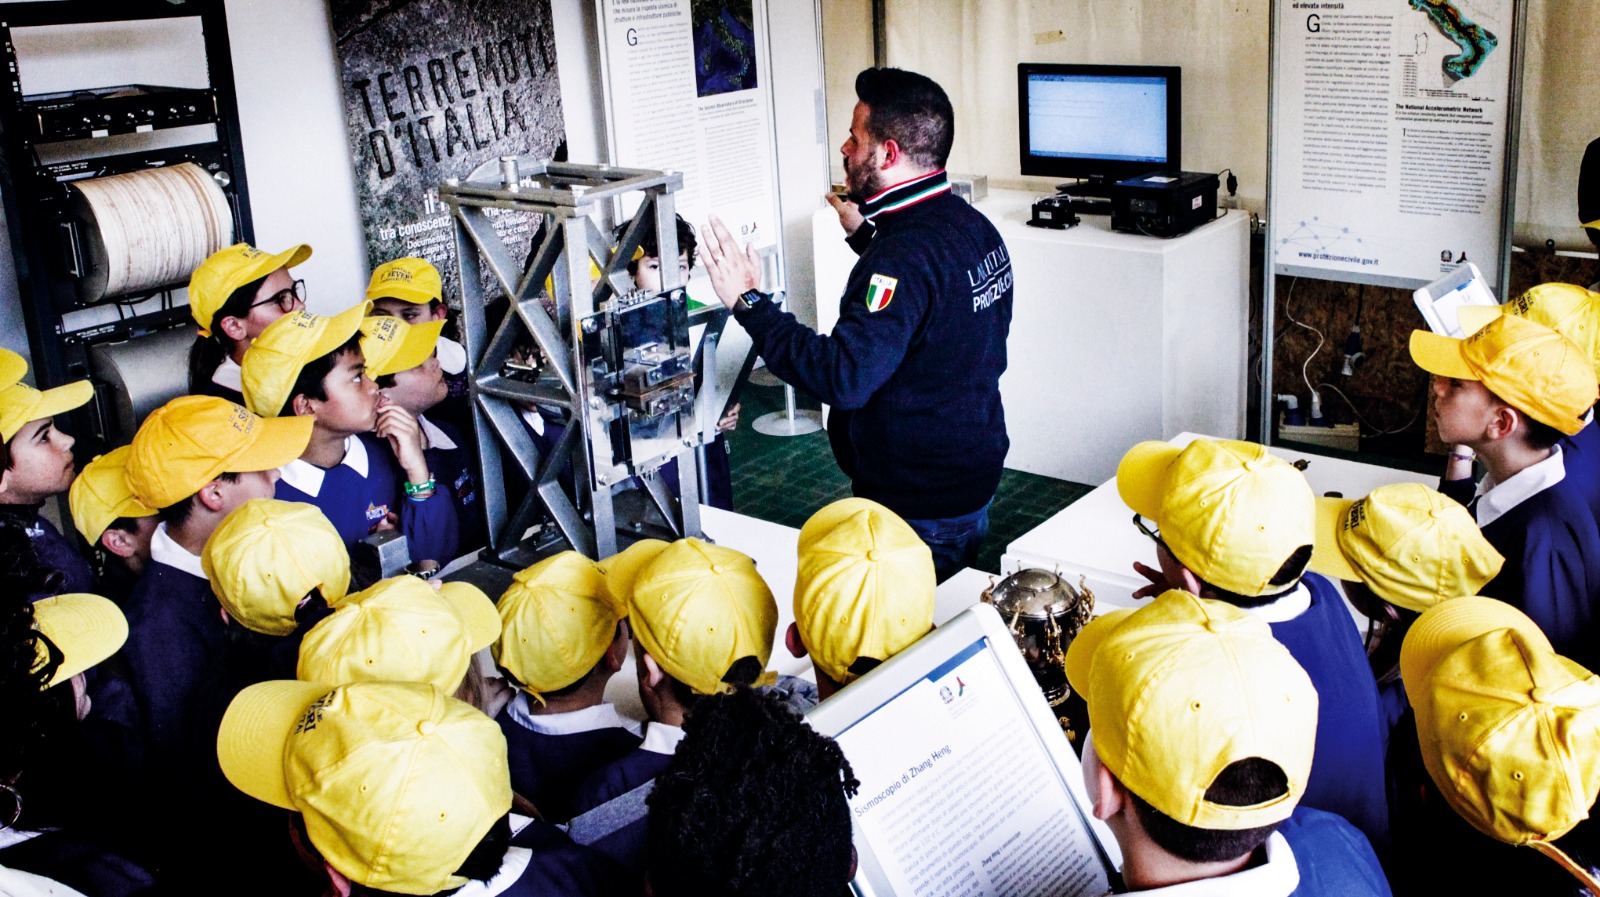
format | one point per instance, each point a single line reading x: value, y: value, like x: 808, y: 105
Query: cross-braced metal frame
x: 573, y: 197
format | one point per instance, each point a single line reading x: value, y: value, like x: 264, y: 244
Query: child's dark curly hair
x: 753, y: 803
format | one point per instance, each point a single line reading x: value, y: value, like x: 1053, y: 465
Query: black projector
x: 1164, y: 203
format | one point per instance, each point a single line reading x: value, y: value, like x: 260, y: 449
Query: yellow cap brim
x: 1080, y: 654
x: 1439, y: 354
x: 418, y: 345
x: 477, y: 611
x: 1327, y: 557
x: 254, y: 731
x: 340, y: 328
x: 1593, y: 224
x: 1474, y: 318
x: 1452, y: 623
x: 87, y: 628
x: 1142, y: 476
x: 48, y: 404
x: 281, y: 440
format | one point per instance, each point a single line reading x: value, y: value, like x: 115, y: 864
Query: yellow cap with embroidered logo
x: 1413, y: 546
x: 397, y: 782
x: 622, y: 568
x: 391, y: 345
x: 1229, y: 511
x: 1183, y: 688
x: 557, y: 620
x: 85, y: 630
x: 705, y: 615
x: 229, y: 269
x: 1529, y: 366
x: 21, y: 403
x: 185, y: 443
x: 266, y: 556
x: 402, y: 629
x: 273, y: 361
x: 99, y: 495
x: 409, y: 279
x: 1509, y: 730
x: 863, y: 589
x: 1566, y: 308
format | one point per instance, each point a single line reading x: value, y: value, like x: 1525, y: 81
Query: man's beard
x: 862, y: 183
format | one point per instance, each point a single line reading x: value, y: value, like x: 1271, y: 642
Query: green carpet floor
x: 786, y: 479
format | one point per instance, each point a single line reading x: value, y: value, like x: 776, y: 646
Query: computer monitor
x: 1100, y: 123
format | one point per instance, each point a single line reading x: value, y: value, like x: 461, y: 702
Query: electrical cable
x: 1375, y: 430
x: 1288, y: 312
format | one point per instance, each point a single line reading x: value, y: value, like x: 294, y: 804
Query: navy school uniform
x: 1347, y: 771
x: 450, y: 459
x: 87, y: 862
x: 362, y: 489
x: 1551, y: 544
x: 543, y: 861
x: 626, y: 845
x: 1581, y: 461
x: 52, y: 549
x: 552, y: 755
x: 1333, y: 857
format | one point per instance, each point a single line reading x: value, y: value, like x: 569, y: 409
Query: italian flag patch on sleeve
x: 880, y: 291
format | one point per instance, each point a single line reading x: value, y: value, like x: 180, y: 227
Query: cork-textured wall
x: 1386, y: 389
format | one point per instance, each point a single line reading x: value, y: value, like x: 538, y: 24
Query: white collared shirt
x: 433, y: 437
x: 164, y: 550
x: 600, y: 716
x: 229, y: 375
x: 1277, y: 877
x: 1290, y: 606
x: 534, y: 420
x: 307, y: 477
x: 1495, y: 500
x: 660, y: 738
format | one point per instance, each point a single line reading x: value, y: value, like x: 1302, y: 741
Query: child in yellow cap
x: 233, y: 296
x: 398, y: 788
x: 563, y: 639
x: 114, y: 523
x: 1235, y: 523
x: 1201, y: 734
x: 1508, y: 393
x: 703, y: 621
x: 863, y: 591
x: 411, y: 289
x: 36, y: 464
x: 365, y: 467
x: 1510, y: 737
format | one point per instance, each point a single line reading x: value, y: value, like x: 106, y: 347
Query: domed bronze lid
x: 1035, y: 593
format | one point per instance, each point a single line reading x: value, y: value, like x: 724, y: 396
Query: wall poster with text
x: 432, y: 89
x: 1390, y: 122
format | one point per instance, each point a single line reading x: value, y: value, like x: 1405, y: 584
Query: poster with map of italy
x: 1390, y: 120
x: 687, y: 90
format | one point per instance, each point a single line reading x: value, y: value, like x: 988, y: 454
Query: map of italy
x: 1475, y: 41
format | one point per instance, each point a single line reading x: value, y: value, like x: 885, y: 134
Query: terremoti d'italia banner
x: 432, y: 89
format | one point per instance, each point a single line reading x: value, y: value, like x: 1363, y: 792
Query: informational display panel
x: 688, y: 89
x: 1390, y: 122
x: 433, y: 89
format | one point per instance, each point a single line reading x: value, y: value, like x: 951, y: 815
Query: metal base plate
x: 777, y: 423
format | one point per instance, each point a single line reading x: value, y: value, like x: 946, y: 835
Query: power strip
x: 1340, y: 436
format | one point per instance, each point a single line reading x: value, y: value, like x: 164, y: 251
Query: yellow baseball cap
x: 274, y: 359
x: 1229, y: 511
x: 1566, y: 308
x: 557, y: 620
x: 698, y: 609
x: 411, y: 280
x: 1182, y: 688
x: 85, y: 629
x: 21, y: 403
x: 1413, y: 546
x: 99, y: 496
x: 1529, y: 366
x: 227, y: 270
x: 13, y: 368
x: 401, y: 629
x: 622, y: 569
x: 397, y: 781
x: 1510, y: 730
x: 267, y: 555
x: 391, y: 345
x: 863, y: 587
x: 185, y: 443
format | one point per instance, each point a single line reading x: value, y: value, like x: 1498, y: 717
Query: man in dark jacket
x: 912, y: 369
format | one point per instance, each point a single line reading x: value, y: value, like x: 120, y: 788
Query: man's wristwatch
x: 751, y: 298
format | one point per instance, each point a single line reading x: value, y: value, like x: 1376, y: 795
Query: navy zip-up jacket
x: 912, y: 368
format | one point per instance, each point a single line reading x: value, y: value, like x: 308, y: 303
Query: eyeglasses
x: 1154, y: 534
x: 286, y: 300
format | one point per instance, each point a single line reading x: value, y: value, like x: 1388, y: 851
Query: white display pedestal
x: 1115, y: 338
